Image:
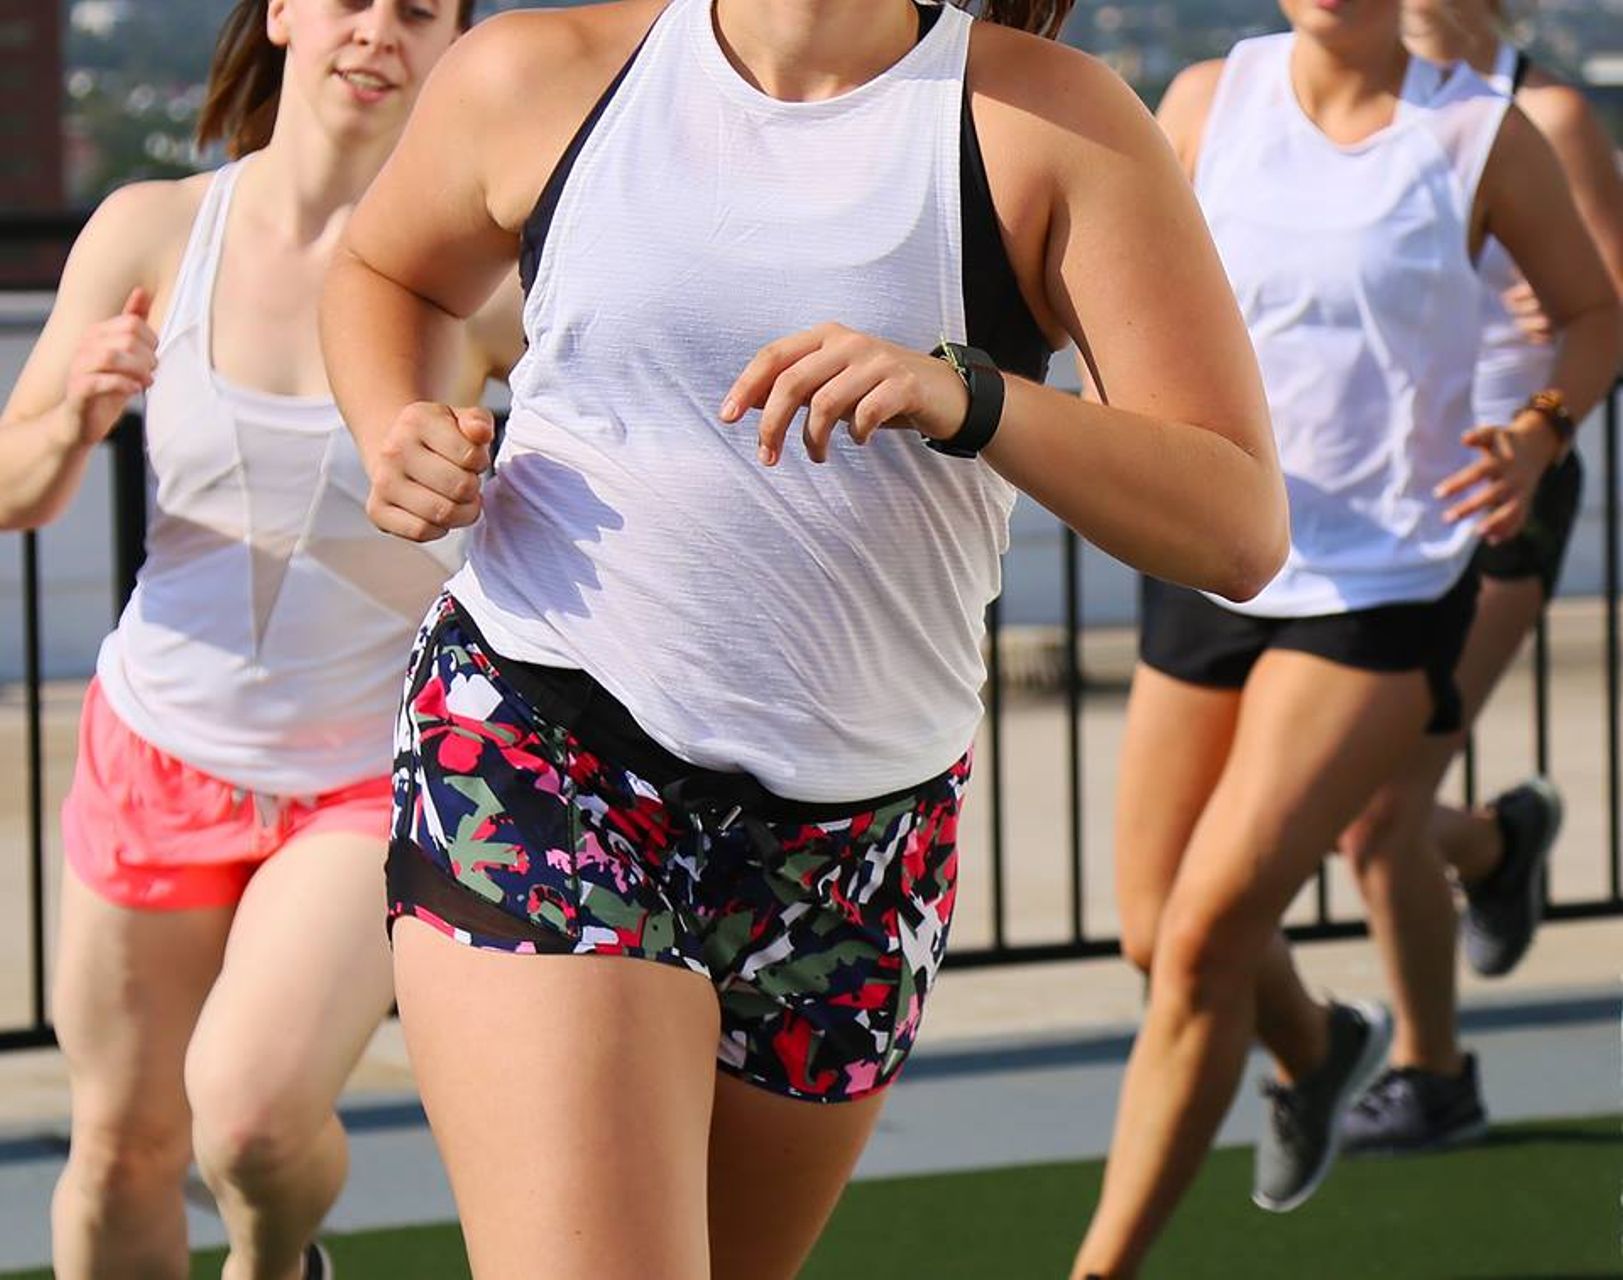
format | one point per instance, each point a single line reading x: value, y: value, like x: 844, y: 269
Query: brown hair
x: 1044, y: 17
x: 245, y: 79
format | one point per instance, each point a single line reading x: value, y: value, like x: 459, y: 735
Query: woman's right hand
x: 115, y: 361
x: 426, y: 473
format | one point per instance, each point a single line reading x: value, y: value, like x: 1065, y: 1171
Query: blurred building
x: 31, y: 178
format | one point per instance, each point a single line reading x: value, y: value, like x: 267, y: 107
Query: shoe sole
x: 1369, y: 1065
x: 1535, y: 883
x: 1461, y: 1137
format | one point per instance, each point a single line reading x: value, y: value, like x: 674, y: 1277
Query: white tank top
x: 1352, y: 268
x: 268, y: 631
x: 817, y: 626
x: 1511, y: 367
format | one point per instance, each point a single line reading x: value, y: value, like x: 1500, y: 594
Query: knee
x: 1138, y: 932
x: 1208, y: 958
x: 1386, y: 831
x: 243, y: 1131
x: 119, y: 1161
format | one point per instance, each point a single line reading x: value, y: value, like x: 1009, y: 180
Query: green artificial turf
x: 1536, y: 1202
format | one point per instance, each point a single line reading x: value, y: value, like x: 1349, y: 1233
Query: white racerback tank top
x: 265, y: 640
x: 817, y: 626
x: 1352, y: 268
x: 1511, y: 367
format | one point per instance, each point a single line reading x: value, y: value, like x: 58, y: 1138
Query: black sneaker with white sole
x: 1502, y: 912
x: 1408, y: 1111
x: 1302, y: 1127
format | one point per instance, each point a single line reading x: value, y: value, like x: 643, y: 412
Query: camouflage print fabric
x: 821, y: 939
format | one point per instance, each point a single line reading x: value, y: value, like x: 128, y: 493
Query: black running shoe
x: 1408, y: 1111
x: 1502, y: 912
x: 317, y: 1263
x: 1302, y: 1125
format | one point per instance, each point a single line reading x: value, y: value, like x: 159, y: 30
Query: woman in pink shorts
x: 221, y: 961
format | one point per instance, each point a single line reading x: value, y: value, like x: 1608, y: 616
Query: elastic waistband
x: 574, y: 700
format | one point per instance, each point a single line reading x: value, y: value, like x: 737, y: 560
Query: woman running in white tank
x: 1348, y: 186
x: 219, y: 968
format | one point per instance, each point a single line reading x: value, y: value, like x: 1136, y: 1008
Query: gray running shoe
x: 1409, y: 1110
x: 1502, y: 913
x: 1302, y: 1129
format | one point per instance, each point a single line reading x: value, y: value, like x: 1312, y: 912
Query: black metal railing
x: 129, y: 490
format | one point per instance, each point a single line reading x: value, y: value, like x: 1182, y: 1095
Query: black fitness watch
x: 984, y: 382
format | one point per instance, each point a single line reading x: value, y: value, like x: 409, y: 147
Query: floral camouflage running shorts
x: 533, y: 816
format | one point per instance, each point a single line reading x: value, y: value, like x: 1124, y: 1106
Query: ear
x: 277, y: 28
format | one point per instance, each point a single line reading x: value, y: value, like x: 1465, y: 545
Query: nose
x: 378, y: 26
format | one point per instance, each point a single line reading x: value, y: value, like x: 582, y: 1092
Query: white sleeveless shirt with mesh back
x: 817, y: 626
x: 1511, y: 367
x: 1352, y: 267
x: 269, y: 628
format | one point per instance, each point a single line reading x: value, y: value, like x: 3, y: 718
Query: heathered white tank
x: 817, y: 626
x: 269, y: 628
x: 1352, y: 267
x: 1512, y: 366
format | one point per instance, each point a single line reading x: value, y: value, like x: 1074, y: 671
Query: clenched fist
x: 427, y: 471
x: 115, y: 361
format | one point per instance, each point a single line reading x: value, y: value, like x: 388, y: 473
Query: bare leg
x: 1401, y: 872
x: 1314, y: 741
x: 305, y: 983
x: 777, y: 1167
x: 129, y: 985
x: 1506, y: 612
x: 1175, y: 746
x: 570, y: 1097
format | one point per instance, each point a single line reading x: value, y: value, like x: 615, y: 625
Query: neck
x: 1464, y: 31
x: 807, y: 50
x: 304, y: 183
x: 1347, y: 73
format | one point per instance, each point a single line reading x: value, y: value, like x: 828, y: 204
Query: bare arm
x: 1178, y: 475
x: 1524, y: 202
x: 95, y: 353
x: 1588, y: 157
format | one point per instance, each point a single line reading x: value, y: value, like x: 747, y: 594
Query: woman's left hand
x: 838, y: 375
x: 1514, y: 460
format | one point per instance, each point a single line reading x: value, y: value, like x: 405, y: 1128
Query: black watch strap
x: 984, y: 382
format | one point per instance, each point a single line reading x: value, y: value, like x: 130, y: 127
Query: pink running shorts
x: 146, y: 830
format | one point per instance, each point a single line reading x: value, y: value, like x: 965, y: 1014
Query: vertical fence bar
x: 1541, y: 694
x: 994, y: 712
x: 33, y: 677
x: 1469, y: 771
x: 1073, y: 731
x: 129, y: 484
x: 1612, y: 806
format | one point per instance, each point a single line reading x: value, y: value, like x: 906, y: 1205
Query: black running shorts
x: 1185, y: 635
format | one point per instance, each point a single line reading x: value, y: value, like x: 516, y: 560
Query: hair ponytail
x: 1042, y: 17
x: 245, y: 79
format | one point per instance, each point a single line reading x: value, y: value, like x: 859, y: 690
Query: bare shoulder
x: 136, y: 236
x: 1064, y: 107
x: 1558, y: 110
x: 1193, y: 88
x: 538, y: 54
x: 515, y: 89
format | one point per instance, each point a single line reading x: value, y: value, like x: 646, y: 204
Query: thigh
x: 128, y: 988
x: 570, y: 1097
x: 1507, y: 610
x: 1174, y: 747
x: 1315, y: 741
x: 777, y: 1168
x: 306, y: 981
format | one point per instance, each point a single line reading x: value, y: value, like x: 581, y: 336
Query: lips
x: 367, y: 85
